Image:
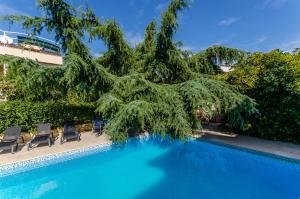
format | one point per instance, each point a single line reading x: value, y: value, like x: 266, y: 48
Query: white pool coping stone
x: 23, y: 166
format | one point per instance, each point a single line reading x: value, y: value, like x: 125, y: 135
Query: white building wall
x: 41, y: 57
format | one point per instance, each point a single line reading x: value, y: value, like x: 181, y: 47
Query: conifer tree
x: 119, y: 56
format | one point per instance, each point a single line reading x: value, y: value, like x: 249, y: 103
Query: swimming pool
x: 155, y: 169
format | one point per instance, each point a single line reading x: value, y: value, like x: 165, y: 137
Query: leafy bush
x: 27, y: 114
x: 273, y: 80
x: 210, y: 60
x: 29, y: 80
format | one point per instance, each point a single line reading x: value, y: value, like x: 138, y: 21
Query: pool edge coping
x: 250, y: 150
x: 46, y: 160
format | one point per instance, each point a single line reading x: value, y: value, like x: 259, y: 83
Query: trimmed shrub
x: 28, y: 114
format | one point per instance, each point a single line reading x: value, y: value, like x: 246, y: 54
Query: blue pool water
x: 157, y: 169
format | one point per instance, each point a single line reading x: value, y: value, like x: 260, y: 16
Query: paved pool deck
x: 286, y: 150
x: 282, y: 149
x: 88, y: 139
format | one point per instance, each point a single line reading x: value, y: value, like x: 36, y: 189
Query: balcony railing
x: 27, y: 41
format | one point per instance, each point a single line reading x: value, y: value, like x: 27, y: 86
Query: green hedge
x: 28, y: 114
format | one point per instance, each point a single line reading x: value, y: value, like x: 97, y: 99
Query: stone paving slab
x: 88, y: 139
x: 285, y: 150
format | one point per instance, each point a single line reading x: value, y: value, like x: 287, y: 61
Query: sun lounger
x: 98, y: 126
x: 43, y: 135
x: 69, y: 132
x: 11, y: 139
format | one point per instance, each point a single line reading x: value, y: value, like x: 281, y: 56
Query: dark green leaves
x: 155, y: 87
x: 273, y: 80
x: 137, y: 103
x: 119, y: 56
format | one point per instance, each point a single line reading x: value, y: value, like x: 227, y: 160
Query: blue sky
x: 253, y: 25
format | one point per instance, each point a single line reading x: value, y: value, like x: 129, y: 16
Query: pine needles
x: 136, y: 103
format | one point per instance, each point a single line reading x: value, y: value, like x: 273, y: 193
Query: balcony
x: 39, y: 49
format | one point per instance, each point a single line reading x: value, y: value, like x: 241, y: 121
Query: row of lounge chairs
x: 44, y: 135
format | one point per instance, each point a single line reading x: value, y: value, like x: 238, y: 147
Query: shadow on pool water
x: 203, y: 170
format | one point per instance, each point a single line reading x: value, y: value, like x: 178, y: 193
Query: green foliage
x: 199, y: 63
x: 145, y: 51
x: 119, y: 56
x: 27, y: 114
x: 243, y: 78
x: 87, y: 78
x: 142, y: 105
x: 210, y: 60
x: 156, y: 87
x: 215, y: 98
x: 169, y: 25
x: 218, y: 55
x: 28, y: 80
x: 69, y: 24
x: 167, y: 65
x: 273, y: 80
x: 150, y: 38
x: 135, y: 103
